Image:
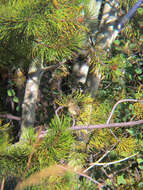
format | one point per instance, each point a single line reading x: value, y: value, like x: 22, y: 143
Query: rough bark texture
x: 31, y: 95
x: 108, y: 23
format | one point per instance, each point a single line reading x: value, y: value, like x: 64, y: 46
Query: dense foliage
x: 52, y: 156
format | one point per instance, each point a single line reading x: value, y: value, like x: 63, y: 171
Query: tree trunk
x: 31, y: 94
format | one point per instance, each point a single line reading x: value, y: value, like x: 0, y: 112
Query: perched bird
x: 19, y: 78
x: 73, y: 108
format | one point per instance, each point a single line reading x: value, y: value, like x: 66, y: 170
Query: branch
x: 106, y: 153
x: 100, y: 126
x: 120, y: 101
x: 10, y: 116
x: 51, y: 67
x: 128, y: 16
x: 110, y: 163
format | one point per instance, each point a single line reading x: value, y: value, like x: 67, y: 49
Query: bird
x: 73, y: 108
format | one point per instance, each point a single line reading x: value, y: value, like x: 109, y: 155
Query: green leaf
x: 140, y: 160
x: 130, y: 106
x: 141, y: 167
x: 140, y: 184
x: 117, y: 42
x: 109, y: 182
x: 17, y: 108
x: 140, y: 78
x: 138, y: 71
x: 131, y: 131
x: 140, y: 10
x: 15, y: 99
x: 121, y: 180
x: 130, y: 77
x: 141, y: 62
x: 11, y: 92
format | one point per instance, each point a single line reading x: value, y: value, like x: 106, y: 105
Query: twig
x: 106, y: 153
x: 56, y: 112
x: 128, y: 16
x: 121, y: 101
x: 114, y: 107
x: 90, y: 178
x: 109, y: 163
x: 51, y: 67
x: 73, y: 119
x: 10, y: 116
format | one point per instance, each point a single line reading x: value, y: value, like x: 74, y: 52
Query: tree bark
x: 31, y: 94
x: 112, y: 22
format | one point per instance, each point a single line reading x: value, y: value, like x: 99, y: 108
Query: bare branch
x: 121, y: 101
x: 106, y: 153
x: 128, y: 16
x: 101, y: 126
x: 10, y: 116
x: 110, y: 163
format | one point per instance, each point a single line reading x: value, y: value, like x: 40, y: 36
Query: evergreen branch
x: 101, y: 126
x: 35, y: 145
x: 84, y: 175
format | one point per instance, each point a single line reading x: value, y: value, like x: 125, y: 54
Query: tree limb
x: 10, y: 116
x: 101, y: 126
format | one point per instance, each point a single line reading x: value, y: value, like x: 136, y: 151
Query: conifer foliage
x: 49, y: 29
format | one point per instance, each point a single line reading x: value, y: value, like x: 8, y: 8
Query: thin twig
x: 73, y: 119
x: 106, y: 153
x: 90, y: 178
x: 114, y: 107
x: 56, y: 112
x: 121, y: 101
x: 109, y: 163
x: 51, y: 67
